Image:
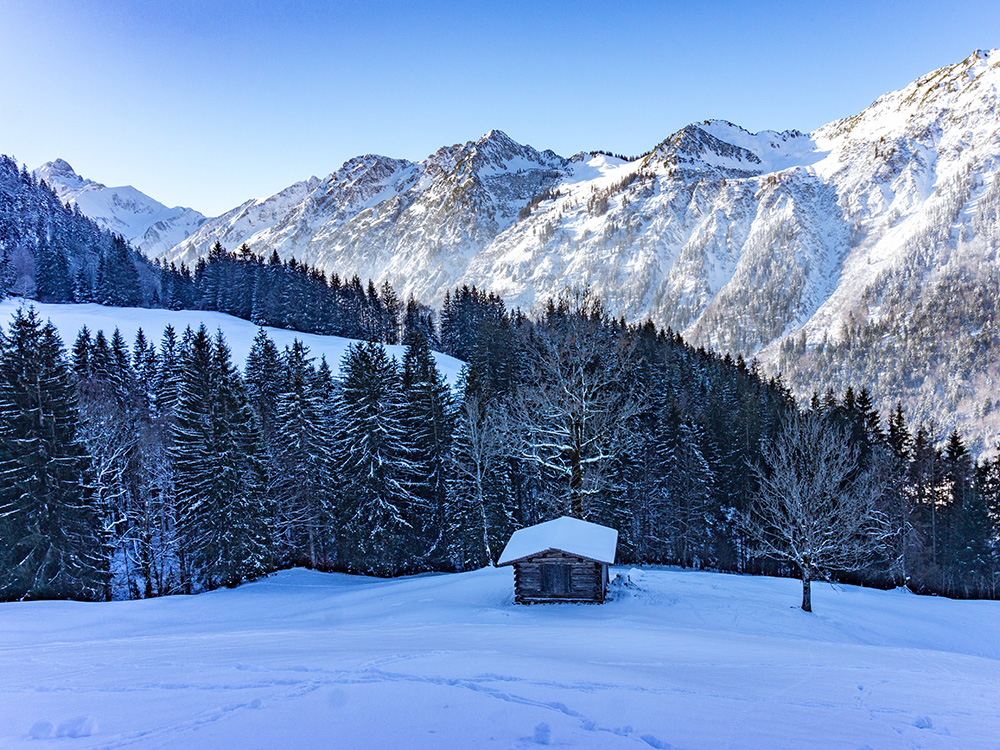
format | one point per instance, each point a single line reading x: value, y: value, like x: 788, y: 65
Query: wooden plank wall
x: 586, y: 579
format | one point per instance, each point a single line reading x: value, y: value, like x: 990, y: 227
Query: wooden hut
x: 564, y: 560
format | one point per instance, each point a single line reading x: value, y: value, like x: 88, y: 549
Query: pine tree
x: 303, y: 483
x: 263, y: 381
x: 373, y: 464
x: 899, y: 497
x: 52, y: 277
x: 929, y: 492
x: 222, y: 523
x: 165, y: 385
x: 426, y: 413
x: 51, y: 541
x: 688, y: 484
x: 117, y: 277
x: 393, y: 308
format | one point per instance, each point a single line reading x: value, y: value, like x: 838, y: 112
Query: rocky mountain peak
x: 60, y: 167
x: 497, y: 152
x: 694, y: 147
x: 59, y: 173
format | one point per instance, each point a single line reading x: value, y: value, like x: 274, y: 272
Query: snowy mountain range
x: 146, y: 223
x: 826, y: 255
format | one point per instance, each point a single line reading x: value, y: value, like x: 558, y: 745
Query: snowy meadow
x: 239, y: 334
x: 677, y: 659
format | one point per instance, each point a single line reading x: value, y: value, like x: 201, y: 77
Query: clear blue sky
x: 206, y: 103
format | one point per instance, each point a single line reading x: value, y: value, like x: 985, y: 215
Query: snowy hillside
x: 678, y: 659
x: 239, y: 334
x: 778, y: 245
x: 416, y: 224
x: 146, y: 223
x: 246, y: 220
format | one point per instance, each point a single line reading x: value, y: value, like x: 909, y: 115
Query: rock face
x: 146, y: 223
x: 420, y: 225
x: 862, y: 253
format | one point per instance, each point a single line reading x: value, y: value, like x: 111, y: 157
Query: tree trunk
x: 576, y: 485
x: 806, y: 592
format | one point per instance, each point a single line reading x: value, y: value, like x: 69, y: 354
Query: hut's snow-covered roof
x: 570, y: 535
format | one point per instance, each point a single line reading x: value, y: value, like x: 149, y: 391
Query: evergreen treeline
x: 289, y: 294
x: 143, y: 468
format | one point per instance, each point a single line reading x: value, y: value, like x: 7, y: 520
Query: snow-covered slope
x: 239, y: 224
x: 678, y: 659
x: 780, y: 245
x: 146, y: 223
x: 416, y: 224
x: 239, y: 334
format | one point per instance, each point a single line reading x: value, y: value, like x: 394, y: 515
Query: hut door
x: 555, y: 578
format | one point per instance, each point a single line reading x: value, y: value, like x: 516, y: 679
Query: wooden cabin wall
x: 586, y: 579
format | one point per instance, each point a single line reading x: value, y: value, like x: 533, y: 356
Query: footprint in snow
x: 542, y: 734
x: 653, y: 742
x: 78, y: 726
x: 41, y: 730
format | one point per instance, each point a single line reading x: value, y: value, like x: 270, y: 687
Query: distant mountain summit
x: 146, y: 223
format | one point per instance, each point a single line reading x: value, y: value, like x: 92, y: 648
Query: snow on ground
x: 679, y: 659
x: 69, y: 319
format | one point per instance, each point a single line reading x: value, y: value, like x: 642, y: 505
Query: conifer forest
x: 158, y: 466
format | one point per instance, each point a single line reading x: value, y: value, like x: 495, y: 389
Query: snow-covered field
x: 69, y: 319
x: 680, y: 659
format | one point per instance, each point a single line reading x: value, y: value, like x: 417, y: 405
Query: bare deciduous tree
x: 579, y: 401
x: 816, y: 508
x: 482, y: 443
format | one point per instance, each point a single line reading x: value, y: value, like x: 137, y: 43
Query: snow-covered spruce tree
x: 152, y: 538
x: 899, y: 500
x: 817, y: 507
x: 969, y: 563
x: 52, y: 277
x: 419, y: 318
x: 989, y: 483
x: 641, y: 459
x: 302, y: 483
x: 263, y: 374
x: 688, y: 485
x: 427, y: 417
x: 166, y: 385
x: 930, y: 496
x: 373, y: 465
x: 478, y: 518
x: 393, y: 314
x: 264, y: 305
x: 217, y: 469
x: 51, y: 540
x: 117, y: 278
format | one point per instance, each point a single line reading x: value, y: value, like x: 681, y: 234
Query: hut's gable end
x: 556, y: 576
